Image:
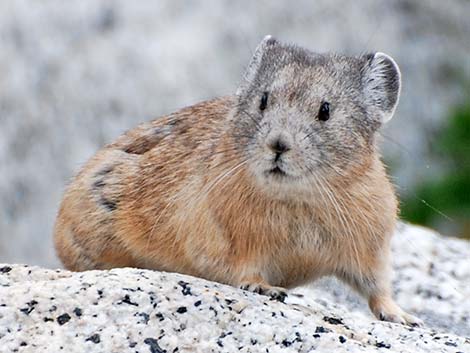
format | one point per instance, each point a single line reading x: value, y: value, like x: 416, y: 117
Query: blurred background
x: 76, y: 74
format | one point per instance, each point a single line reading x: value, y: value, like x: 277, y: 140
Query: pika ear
x: 256, y: 61
x: 382, y: 84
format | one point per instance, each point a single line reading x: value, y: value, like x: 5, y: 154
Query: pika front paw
x: 275, y: 293
x: 385, y: 309
x: 401, y: 318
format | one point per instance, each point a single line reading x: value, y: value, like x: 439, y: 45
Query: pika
x: 272, y: 187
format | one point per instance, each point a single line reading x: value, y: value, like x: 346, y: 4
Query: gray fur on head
x: 362, y: 93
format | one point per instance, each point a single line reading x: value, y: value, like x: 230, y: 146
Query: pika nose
x: 279, y: 146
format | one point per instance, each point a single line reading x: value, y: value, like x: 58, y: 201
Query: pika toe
x: 275, y: 293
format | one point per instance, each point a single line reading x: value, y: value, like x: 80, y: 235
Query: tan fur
x: 183, y: 202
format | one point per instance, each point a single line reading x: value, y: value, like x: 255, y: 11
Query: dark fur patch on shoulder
x: 108, y: 204
x: 99, y: 189
x: 140, y: 147
x: 145, y: 143
x: 173, y: 122
x: 98, y: 184
x: 105, y: 170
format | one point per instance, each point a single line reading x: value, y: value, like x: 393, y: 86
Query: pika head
x: 304, y: 117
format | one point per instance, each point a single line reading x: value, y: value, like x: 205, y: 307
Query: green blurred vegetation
x: 443, y: 202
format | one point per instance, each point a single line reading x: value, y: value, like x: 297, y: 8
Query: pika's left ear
x: 381, y: 81
x: 261, y: 54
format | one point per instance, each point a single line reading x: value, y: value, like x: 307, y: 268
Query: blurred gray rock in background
x: 76, y: 74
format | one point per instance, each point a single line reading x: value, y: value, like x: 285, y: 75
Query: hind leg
x: 86, y: 235
x: 72, y: 255
x: 82, y: 252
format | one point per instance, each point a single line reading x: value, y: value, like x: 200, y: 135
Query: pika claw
x: 413, y: 321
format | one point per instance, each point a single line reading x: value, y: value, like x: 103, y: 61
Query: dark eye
x: 264, y: 101
x: 324, y: 112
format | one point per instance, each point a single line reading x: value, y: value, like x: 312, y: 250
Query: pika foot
x: 385, y: 309
x: 276, y: 293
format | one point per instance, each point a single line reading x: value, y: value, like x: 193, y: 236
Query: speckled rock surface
x: 132, y: 310
x: 76, y: 74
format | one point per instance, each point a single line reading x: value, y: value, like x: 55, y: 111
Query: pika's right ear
x: 256, y: 61
x: 381, y: 80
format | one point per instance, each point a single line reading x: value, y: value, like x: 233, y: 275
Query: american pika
x: 270, y: 188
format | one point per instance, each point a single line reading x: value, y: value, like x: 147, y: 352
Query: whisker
x: 218, y: 179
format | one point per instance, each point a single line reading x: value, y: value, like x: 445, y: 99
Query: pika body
x: 272, y: 187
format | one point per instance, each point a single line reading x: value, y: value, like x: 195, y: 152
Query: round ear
x: 255, y: 63
x: 381, y: 80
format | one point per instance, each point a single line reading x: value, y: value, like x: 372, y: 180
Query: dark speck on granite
x: 382, y: 345
x: 30, y: 307
x: 154, y: 347
x: 127, y: 300
x: 95, y: 338
x: 64, y: 318
x: 144, y: 318
x: 77, y: 311
x: 321, y: 329
x: 181, y: 310
x: 186, y: 289
x: 332, y: 320
x: 5, y: 269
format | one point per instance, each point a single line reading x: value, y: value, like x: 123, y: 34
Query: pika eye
x: 264, y: 101
x: 324, y: 112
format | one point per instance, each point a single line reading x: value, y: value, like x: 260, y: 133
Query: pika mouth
x: 276, y: 171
